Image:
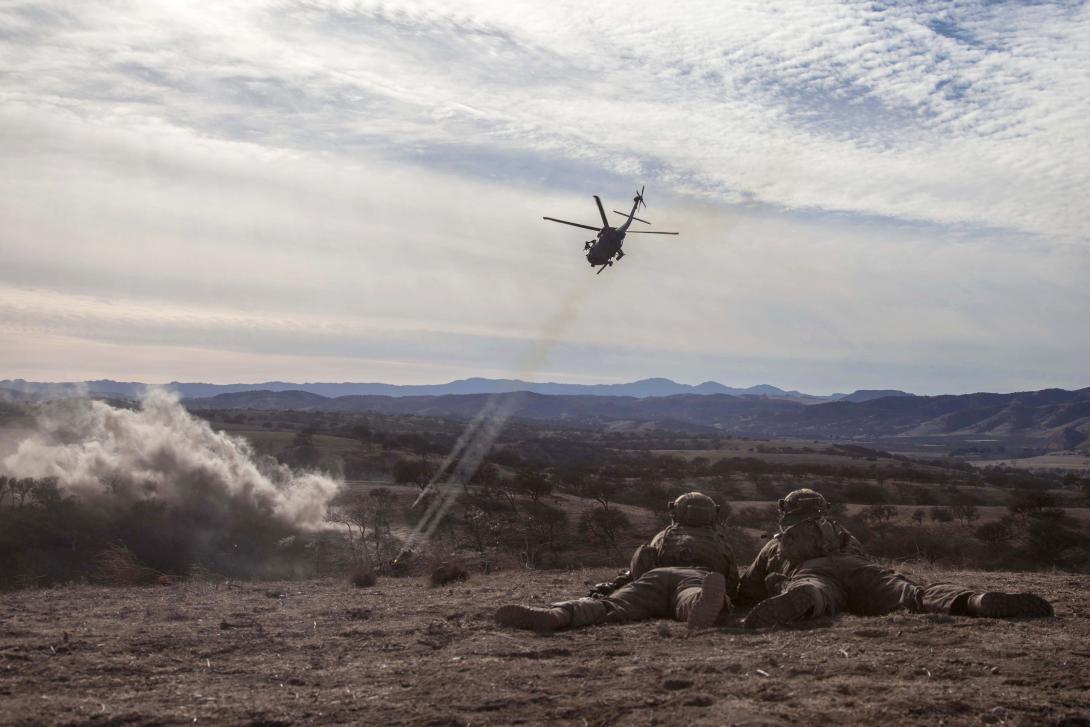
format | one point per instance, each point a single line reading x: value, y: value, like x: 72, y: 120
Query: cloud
x: 955, y: 113
x: 858, y: 183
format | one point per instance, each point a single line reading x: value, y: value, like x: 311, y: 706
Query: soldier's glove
x: 774, y: 583
x: 606, y: 588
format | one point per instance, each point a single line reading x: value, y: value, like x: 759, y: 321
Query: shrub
x: 117, y: 566
x: 448, y: 571
x: 996, y: 533
x: 942, y: 515
x: 363, y: 577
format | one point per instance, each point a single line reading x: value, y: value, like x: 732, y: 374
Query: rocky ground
x: 402, y: 652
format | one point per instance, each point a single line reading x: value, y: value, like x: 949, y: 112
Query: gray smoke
x: 112, y: 458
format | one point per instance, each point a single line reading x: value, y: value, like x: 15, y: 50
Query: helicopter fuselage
x: 610, y: 239
x: 606, y: 247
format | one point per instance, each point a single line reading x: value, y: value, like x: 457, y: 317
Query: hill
x: 639, y: 389
x: 1053, y: 418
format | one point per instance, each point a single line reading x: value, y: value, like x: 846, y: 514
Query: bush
x: 363, y: 577
x: 864, y: 493
x: 604, y: 524
x: 117, y: 566
x: 448, y: 571
x: 764, y: 517
x: 996, y: 533
x: 942, y: 515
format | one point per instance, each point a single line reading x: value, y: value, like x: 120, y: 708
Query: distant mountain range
x: 1053, y: 418
x: 639, y: 389
x: 1050, y: 419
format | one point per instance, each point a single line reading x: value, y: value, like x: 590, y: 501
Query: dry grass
x: 323, y: 652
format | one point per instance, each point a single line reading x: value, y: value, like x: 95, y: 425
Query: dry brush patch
x: 407, y: 652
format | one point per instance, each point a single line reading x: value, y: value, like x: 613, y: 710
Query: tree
x: 532, y: 484
x: 918, y: 515
x: 996, y: 533
x: 362, y: 433
x: 603, y: 524
x: 486, y: 477
x: 966, y: 513
x: 417, y: 472
x: 484, y: 527
x: 303, y: 452
x: 601, y: 489
x: 1028, y: 504
x: 879, y: 514
x: 942, y: 514
x: 371, y: 515
x: 543, y: 526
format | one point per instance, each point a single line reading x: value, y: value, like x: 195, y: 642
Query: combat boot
x: 536, y: 619
x: 702, y: 611
x: 1008, y: 605
x: 792, y: 605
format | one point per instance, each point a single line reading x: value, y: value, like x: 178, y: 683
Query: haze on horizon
x: 868, y: 196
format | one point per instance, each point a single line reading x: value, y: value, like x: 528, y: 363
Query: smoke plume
x: 167, y: 485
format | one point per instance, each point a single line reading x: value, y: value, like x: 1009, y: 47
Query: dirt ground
x: 404, y: 653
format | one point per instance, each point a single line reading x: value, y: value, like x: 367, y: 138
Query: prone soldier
x: 813, y: 568
x: 686, y: 573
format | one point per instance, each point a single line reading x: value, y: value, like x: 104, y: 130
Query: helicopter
x: 603, y: 251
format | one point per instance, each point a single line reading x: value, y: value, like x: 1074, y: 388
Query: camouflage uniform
x: 815, y: 568
x: 658, y: 593
x: 753, y: 585
x: 668, y: 577
x: 852, y: 583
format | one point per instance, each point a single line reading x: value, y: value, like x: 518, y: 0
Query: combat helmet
x: 694, y: 509
x: 800, y: 505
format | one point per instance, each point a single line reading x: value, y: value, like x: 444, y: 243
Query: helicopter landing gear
x: 620, y: 254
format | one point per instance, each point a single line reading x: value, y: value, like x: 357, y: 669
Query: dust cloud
x: 111, y: 459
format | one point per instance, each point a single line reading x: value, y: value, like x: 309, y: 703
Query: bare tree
x: 604, y: 524
x: 966, y: 513
x: 533, y: 485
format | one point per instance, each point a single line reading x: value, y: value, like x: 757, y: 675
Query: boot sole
x: 1014, y: 605
x: 523, y: 617
x: 706, y: 610
x: 790, y: 606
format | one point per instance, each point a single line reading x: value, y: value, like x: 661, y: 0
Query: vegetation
x: 549, y: 497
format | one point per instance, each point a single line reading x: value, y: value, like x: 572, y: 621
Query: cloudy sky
x: 868, y: 194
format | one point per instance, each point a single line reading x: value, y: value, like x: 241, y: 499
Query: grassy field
x: 403, y: 653
x: 272, y: 441
x: 1063, y: 461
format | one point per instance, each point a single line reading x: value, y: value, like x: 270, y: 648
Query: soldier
x: 814, y: 568
x: 686, y: 573
x: 798, y: 506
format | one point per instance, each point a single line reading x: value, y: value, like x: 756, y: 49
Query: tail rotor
x: 639, y: 199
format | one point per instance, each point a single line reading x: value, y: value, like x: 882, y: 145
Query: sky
x: 869, y: 195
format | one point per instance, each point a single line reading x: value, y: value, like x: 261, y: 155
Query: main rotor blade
x: 651, y: 232
x: 625, y: 214
x: 573, y: 224
x: 602, y: 212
